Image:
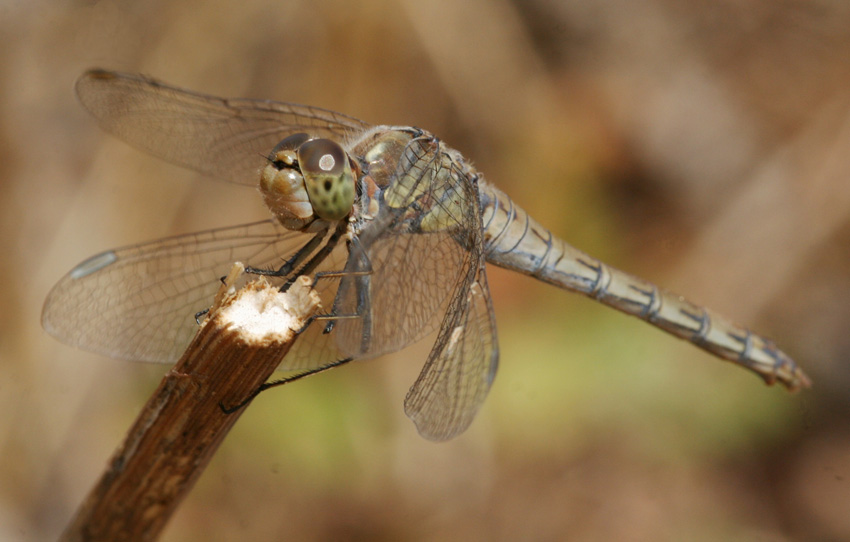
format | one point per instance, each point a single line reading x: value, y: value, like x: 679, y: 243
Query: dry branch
x: 182, y: 424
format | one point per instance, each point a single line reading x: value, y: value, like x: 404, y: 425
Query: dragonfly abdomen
x: 516, y: 241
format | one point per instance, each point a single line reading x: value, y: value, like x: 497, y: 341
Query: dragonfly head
x: 308, y: 178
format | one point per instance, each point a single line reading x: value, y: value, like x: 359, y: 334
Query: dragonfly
x: 394, y: 226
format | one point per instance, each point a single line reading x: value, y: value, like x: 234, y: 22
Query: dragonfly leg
x: 319, y: 257
x: 263, y: 387
x: 358, y: 268
x: 199, y: 316
x: 290, y: 264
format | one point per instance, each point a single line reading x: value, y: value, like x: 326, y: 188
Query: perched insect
x: 397, y: 225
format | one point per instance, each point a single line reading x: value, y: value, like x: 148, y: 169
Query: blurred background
x: 702, y: 145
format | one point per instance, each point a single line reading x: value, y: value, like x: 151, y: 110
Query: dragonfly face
x: 308, y: 179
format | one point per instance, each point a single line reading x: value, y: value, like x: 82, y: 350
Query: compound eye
x: 322, y: 157
x: 328, y: 178
x: 290, y: 143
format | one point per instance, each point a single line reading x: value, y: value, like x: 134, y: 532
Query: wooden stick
x: 174, y: 437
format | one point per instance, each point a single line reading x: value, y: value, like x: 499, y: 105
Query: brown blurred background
x: 703, y: 145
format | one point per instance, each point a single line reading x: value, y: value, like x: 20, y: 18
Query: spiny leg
x: 319, y: 257
x: 282, y: 381
x: 296, y: 259
x: 358, y: 268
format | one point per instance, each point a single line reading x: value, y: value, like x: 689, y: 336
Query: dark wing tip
x: 94, y: 76
x: 98, y: 73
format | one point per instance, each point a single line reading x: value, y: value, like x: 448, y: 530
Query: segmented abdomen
x: 516, y: 241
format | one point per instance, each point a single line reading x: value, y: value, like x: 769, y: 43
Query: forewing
x: 460, y: 368
x: 224, y: 138
x: 139, y: 302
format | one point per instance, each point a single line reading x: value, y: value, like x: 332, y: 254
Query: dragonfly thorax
x: 308, y: 179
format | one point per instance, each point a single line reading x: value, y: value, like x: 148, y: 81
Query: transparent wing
x: 139, y: 302
x: 402, y: 300
x: 460, y: 369
x: 419, y: 248
x: 427, y: 262
x: 225, y: 138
